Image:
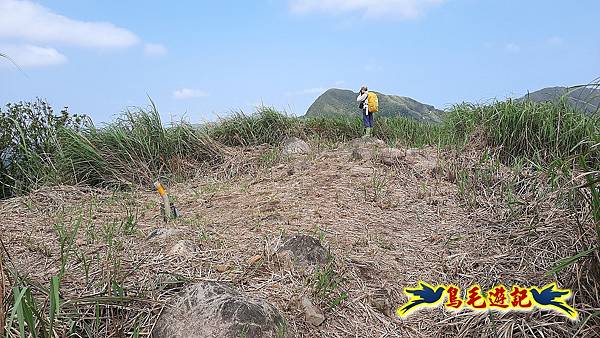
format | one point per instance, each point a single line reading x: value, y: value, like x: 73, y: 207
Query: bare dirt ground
x: 387, y: 228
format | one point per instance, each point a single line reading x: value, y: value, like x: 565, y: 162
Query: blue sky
x: 203, y: 59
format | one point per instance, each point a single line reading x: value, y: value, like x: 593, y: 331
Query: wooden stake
x: 163, y: 193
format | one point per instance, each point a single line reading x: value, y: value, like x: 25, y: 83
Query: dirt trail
x: 387, y: 228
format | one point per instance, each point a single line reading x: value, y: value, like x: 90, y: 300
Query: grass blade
x: 54, y: 301
x: 566, y: 262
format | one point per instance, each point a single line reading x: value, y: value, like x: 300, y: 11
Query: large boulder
x: 294, y: 146
x: 303, y: 251
x: 213, y: 309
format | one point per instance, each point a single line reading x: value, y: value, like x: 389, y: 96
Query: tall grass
x: 135, y: 149
x: 267, y: 126
x: 409, y: 132
x: 543, y: 132
x: 552, y: 138
x: 335, y: 128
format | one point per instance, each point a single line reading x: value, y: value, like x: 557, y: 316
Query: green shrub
x: 28, y: 145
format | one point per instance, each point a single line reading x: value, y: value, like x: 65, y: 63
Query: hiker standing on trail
x: 368, y: 105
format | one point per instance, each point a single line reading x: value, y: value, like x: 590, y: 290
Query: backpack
x: 373, y: 102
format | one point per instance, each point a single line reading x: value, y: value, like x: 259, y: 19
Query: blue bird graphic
x: 425, y: 295
x: 552, y: 297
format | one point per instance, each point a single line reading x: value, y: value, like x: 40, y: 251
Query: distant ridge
x: 585, y: 99
x: 343, y: 102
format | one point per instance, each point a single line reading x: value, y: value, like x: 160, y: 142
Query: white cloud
x: 32, y: 22
x: 154, y: 49
x: 28, y: 56
x: 512, y: 47
x: 404, y: 9
x: 188, y: 93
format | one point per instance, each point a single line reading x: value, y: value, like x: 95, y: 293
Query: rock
x: 361, y: 172
x: 370, y: 142
x: 380, y: 299
x: 391, y: 156
x: 185, y: 248
x: 294, y: 146
x: 222, y: 268
x: 254, y: 259
x: 313, y: 314
x: 363, y: 148
x: 214, y: 309
x: 423, y: 160
x: 167, y: 281
x: 304, y: 251
x: 162, y: 233
x: 359, y: 154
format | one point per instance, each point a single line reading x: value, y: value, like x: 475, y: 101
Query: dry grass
x: 387, y: 228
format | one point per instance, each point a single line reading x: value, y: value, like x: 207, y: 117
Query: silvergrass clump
x: 541, y: 132
x: 135, y: 149
x: 266, y: 126
x: 336, y: 128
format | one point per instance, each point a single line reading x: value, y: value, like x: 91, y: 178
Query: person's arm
x: 361, y: 97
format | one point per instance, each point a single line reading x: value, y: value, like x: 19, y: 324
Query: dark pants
x: 367, y: 119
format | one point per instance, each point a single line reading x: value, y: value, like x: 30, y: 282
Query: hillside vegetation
x: 585, y: 99
x: 343, y: 102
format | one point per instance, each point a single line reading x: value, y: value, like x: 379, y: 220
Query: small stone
x: 367, y: 142
x: 305, y: 251
x: 361, y: 172
x: 413, y: 152
x: 313, y: 314
x: 184, y: 248
x: 294, y: 146
x: 359, y: 154
x: 222, y: 268
x: 380, y: 299
x: 252, y: 260
x: 162, y: 233
x: 391, y: 156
